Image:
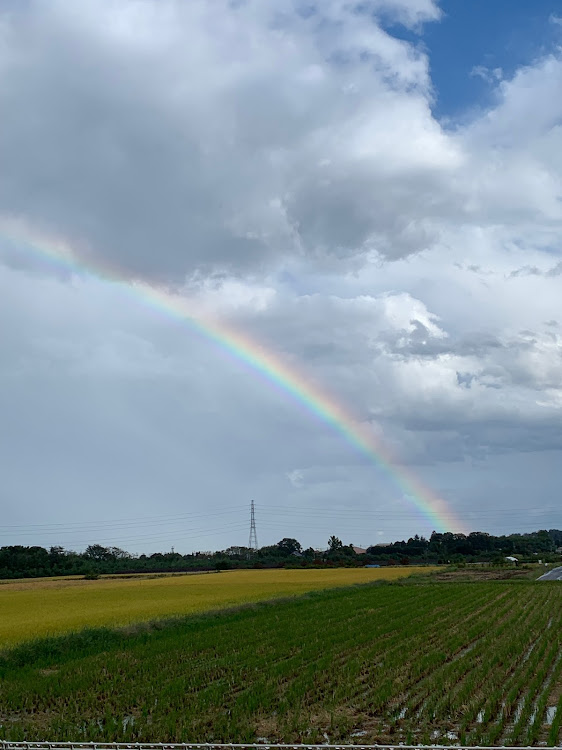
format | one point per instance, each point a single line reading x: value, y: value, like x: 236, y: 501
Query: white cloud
x: 486, y: 74
x: 284, y: 170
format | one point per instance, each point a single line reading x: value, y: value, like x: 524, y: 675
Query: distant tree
x: 289, y: 546
x: 119, y: 554
x: 270, y: 551
x: 334, y: 544
x: 237, y: 552
x: 98, y: 553
x: 556, y: 537
x: 223, y: 565
x: 32, y: 562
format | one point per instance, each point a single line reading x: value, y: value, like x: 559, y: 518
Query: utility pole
x: 253, y: 544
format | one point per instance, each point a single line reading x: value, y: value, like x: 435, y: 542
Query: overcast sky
x: 371, y: 191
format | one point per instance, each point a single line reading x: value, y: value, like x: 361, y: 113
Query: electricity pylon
x: 253, y: 544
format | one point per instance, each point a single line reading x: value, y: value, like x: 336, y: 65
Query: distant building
x: 359, y: 550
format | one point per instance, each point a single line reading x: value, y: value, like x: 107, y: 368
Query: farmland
x: 474, y: 663
x: 37, y: 608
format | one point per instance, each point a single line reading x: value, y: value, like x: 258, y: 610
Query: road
x: 553, y: 575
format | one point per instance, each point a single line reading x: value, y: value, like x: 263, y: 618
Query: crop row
x: 477, y: 663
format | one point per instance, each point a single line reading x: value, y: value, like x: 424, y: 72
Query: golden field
x: 41, y: 607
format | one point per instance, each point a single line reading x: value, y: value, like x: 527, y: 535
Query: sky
x: 370, y: 194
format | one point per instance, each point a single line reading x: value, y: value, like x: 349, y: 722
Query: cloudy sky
x: 371, y: 191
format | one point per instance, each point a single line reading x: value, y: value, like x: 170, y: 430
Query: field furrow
x: 419, y: 662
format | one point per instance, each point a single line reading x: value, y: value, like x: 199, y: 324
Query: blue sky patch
x: 476, y: 43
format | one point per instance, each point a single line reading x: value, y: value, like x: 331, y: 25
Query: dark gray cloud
x: 165, y: 148
x: 534, y: 271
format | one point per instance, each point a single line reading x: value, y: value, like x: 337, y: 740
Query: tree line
x: 19, y: 561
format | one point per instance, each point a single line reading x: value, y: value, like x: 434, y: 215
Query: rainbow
x: 258, y: 358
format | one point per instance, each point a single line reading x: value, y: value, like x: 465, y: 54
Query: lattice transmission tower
x: 253, y: 534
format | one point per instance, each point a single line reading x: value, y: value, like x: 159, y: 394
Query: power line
x: 77, y: 525
x: 301, y: 511
x: 531, y: 517
x: 163, y: 537
x: 402, y: 512
x: 302, y: 520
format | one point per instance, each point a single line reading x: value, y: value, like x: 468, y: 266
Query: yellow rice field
x: 31, y: 609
